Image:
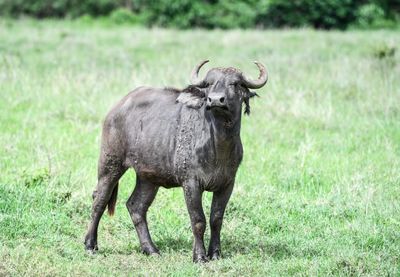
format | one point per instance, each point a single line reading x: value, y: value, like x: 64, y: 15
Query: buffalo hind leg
x: 109, y: 173
x: 193, y: 196
x: 138, y: 204
x: 219, y: 202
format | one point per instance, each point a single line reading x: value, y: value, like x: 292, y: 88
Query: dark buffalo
x: 188, y: 138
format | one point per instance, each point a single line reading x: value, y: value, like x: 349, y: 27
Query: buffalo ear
x: 249, y: 95
x: 252, y: 94
x: 247, y: 105
x: 192, y: 97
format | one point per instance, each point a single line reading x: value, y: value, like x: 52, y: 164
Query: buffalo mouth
x: 217, y: 108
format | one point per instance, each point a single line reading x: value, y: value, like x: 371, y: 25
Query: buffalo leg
x: 193, y: 197
x: 219, y: 202
x: 109, y: 174
x: 138, y: 204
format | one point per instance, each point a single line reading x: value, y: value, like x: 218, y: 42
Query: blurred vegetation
x: 224, y: 14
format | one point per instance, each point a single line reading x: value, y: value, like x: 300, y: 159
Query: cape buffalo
x: 188, y: 138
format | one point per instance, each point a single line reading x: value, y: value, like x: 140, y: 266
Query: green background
x: 224, y: 14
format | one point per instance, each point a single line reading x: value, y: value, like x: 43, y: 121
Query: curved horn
x: 194, y: 78
x: 261, y: 81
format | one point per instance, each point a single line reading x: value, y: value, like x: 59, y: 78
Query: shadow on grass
x: 276, y: 250
x: 174, y: 245
x: 230, y: 248
x: 168, y: 245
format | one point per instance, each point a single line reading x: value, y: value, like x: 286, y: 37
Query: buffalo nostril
x: 222, y: 99
x: 209, y: 99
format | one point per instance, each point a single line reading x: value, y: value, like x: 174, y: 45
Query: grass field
x: 318, y: 192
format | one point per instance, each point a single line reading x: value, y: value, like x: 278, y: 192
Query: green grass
x: 318, y: 192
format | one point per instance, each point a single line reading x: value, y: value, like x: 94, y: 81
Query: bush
x: 224, y: 14
x: 180, y: 14
x: 373, y: 16
x: 90, y: 7
x: 319, y: 14
x: 37, y: 8
x: 57, y: 8
x: 234, y: 14
x: 124, y: 16
x: 199, y: 13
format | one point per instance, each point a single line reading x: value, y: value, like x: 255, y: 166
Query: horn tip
x: 260, y: 65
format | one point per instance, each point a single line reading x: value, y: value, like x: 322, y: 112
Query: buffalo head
x: 226, y: 89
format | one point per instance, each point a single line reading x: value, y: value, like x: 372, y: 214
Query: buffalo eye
x: 234, y: 86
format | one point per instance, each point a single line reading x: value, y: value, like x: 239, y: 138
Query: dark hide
x: 171, y: 138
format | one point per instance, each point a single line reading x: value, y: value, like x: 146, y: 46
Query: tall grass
x: 318, y: 192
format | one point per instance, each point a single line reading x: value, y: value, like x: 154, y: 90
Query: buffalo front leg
x: 138, y: 204
x: 193, y: 197
x: 219, y: 202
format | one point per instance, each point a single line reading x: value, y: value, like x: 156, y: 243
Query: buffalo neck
x: 225, y: 136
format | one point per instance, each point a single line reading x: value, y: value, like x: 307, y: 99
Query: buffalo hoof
x: 151, y: 251
x: 91, y: 246
x: 200, y: 258
x: 216, y: 255
x: 91, y: 252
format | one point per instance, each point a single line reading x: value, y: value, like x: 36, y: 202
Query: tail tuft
x: 113, y: 201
